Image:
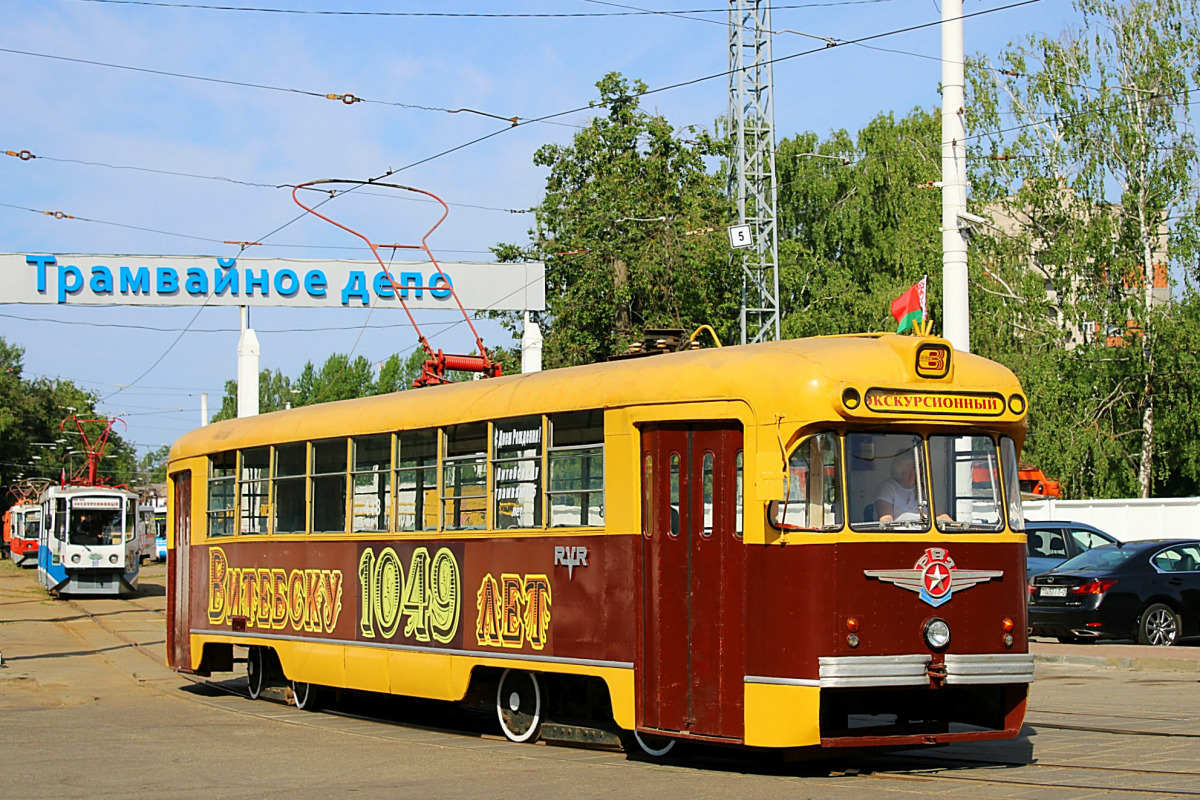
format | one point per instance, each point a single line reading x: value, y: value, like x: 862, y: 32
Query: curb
x: 1134, y: 664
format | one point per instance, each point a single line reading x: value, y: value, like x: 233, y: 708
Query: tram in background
x: 21, y: 533
x: 686, y: 546
x: 89, y: 532
x: 153, y: 510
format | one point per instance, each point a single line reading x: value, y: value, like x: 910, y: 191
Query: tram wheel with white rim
x: 305, y: 695
x: 1158, y: 626
x: 653, y: 746
x: 256, y: 671
x: 520, y: 705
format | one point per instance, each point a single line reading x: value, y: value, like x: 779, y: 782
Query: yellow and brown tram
x: 721, y: 545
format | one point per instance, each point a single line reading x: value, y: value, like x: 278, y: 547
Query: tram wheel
x: 256, y: 671
x: 305, y: 695
x: 520, y: 705
x: 1158, y: 626
x: 647, y: 744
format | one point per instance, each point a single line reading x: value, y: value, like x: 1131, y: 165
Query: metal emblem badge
x: 934, y: 577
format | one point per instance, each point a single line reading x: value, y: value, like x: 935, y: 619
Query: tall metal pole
x: 752, y: 166
x: 956, y: 320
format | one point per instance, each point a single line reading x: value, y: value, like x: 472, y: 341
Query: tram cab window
x: 887, y: 482
x: 464, y: 477
x: 814, y: 494
x: 517, y: 473
x: 96, y: 524
x: 416, y: 481
x: 288, y: 486
x: 329, y: 486
x: 1012, y: 483
x: 253, y: 487
x: 576, y: 465
x: 372, y: 501
x: 222, y: 485
x: 966, y: 483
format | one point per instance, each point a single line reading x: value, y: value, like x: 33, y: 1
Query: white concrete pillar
x: 531, y: 347
x: 247, y: 379
x: 956, y: 319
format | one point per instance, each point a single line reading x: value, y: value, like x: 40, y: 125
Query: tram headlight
x: 75, y: 558
x: 937, y: 634
x: 112, y: 559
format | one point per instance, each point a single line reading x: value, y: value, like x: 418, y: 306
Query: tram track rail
x: 945, y: 768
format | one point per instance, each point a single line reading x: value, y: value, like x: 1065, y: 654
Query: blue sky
x: 106, y: 139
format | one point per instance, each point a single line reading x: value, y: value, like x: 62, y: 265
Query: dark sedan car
x: 1051, y: 542
x: 1148, y: 591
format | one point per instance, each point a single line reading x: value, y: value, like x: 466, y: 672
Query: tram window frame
x: 254, y: 491
x: 575, y: 468
x: 464, y: 469
x: 329, y: 463
x: 417, y: 460
x: 221, y: 508
x: 516, y: 468
x: 822, y: 498
x: 1012, y: 483
x: 371, y: 472
x: 289, y: 474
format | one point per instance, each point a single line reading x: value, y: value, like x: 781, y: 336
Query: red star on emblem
x: 935, y: 579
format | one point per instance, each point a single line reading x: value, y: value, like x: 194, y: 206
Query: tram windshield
x: 98, y: 526
x: 901, y: 481
x: 32, y: 518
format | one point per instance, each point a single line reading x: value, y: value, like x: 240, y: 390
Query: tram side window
x: 290, y: 498
x: 254, y: 486
x: 576, y: 465
x: 329, y: 486
x: 372, y: 500
x: 814, y: 493
x: 416, y: 481
x: 131, y: 519
x: 222, y: 494
x: 464, y: 477
x: 517, y: 473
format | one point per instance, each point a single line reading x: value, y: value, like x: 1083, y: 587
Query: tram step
x: 579, y: 734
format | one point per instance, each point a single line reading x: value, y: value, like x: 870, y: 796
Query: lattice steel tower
x: 752, y: 167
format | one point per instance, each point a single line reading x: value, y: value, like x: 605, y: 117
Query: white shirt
x: 902, y: 499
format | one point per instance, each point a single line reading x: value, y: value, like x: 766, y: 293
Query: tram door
x: 179, y: 641
x: 691, y: 648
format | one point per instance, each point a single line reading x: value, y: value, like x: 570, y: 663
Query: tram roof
x: 759, y: 374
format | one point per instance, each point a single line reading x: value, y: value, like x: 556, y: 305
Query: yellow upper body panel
x: 797, y: 380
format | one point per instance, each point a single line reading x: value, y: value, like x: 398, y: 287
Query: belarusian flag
x: 909, y: 308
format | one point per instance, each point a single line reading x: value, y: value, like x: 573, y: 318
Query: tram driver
x: 898, y: 498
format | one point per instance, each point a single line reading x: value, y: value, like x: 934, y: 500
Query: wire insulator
x: 348, y: 99
x: 57, y: 215
x: 24, y: 155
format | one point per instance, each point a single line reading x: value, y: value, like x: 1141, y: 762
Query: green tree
x: 616, y: 229
x: 858, y: 223
x: 152, y: 467
x: 1097, y: 187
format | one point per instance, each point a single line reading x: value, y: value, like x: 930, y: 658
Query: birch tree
x: 1085, y: 157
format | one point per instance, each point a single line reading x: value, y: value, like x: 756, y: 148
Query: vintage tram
x: 799, y: 544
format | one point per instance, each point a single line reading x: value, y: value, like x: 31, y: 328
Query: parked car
x: 1148, y: 591
x: 1052, y: 542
